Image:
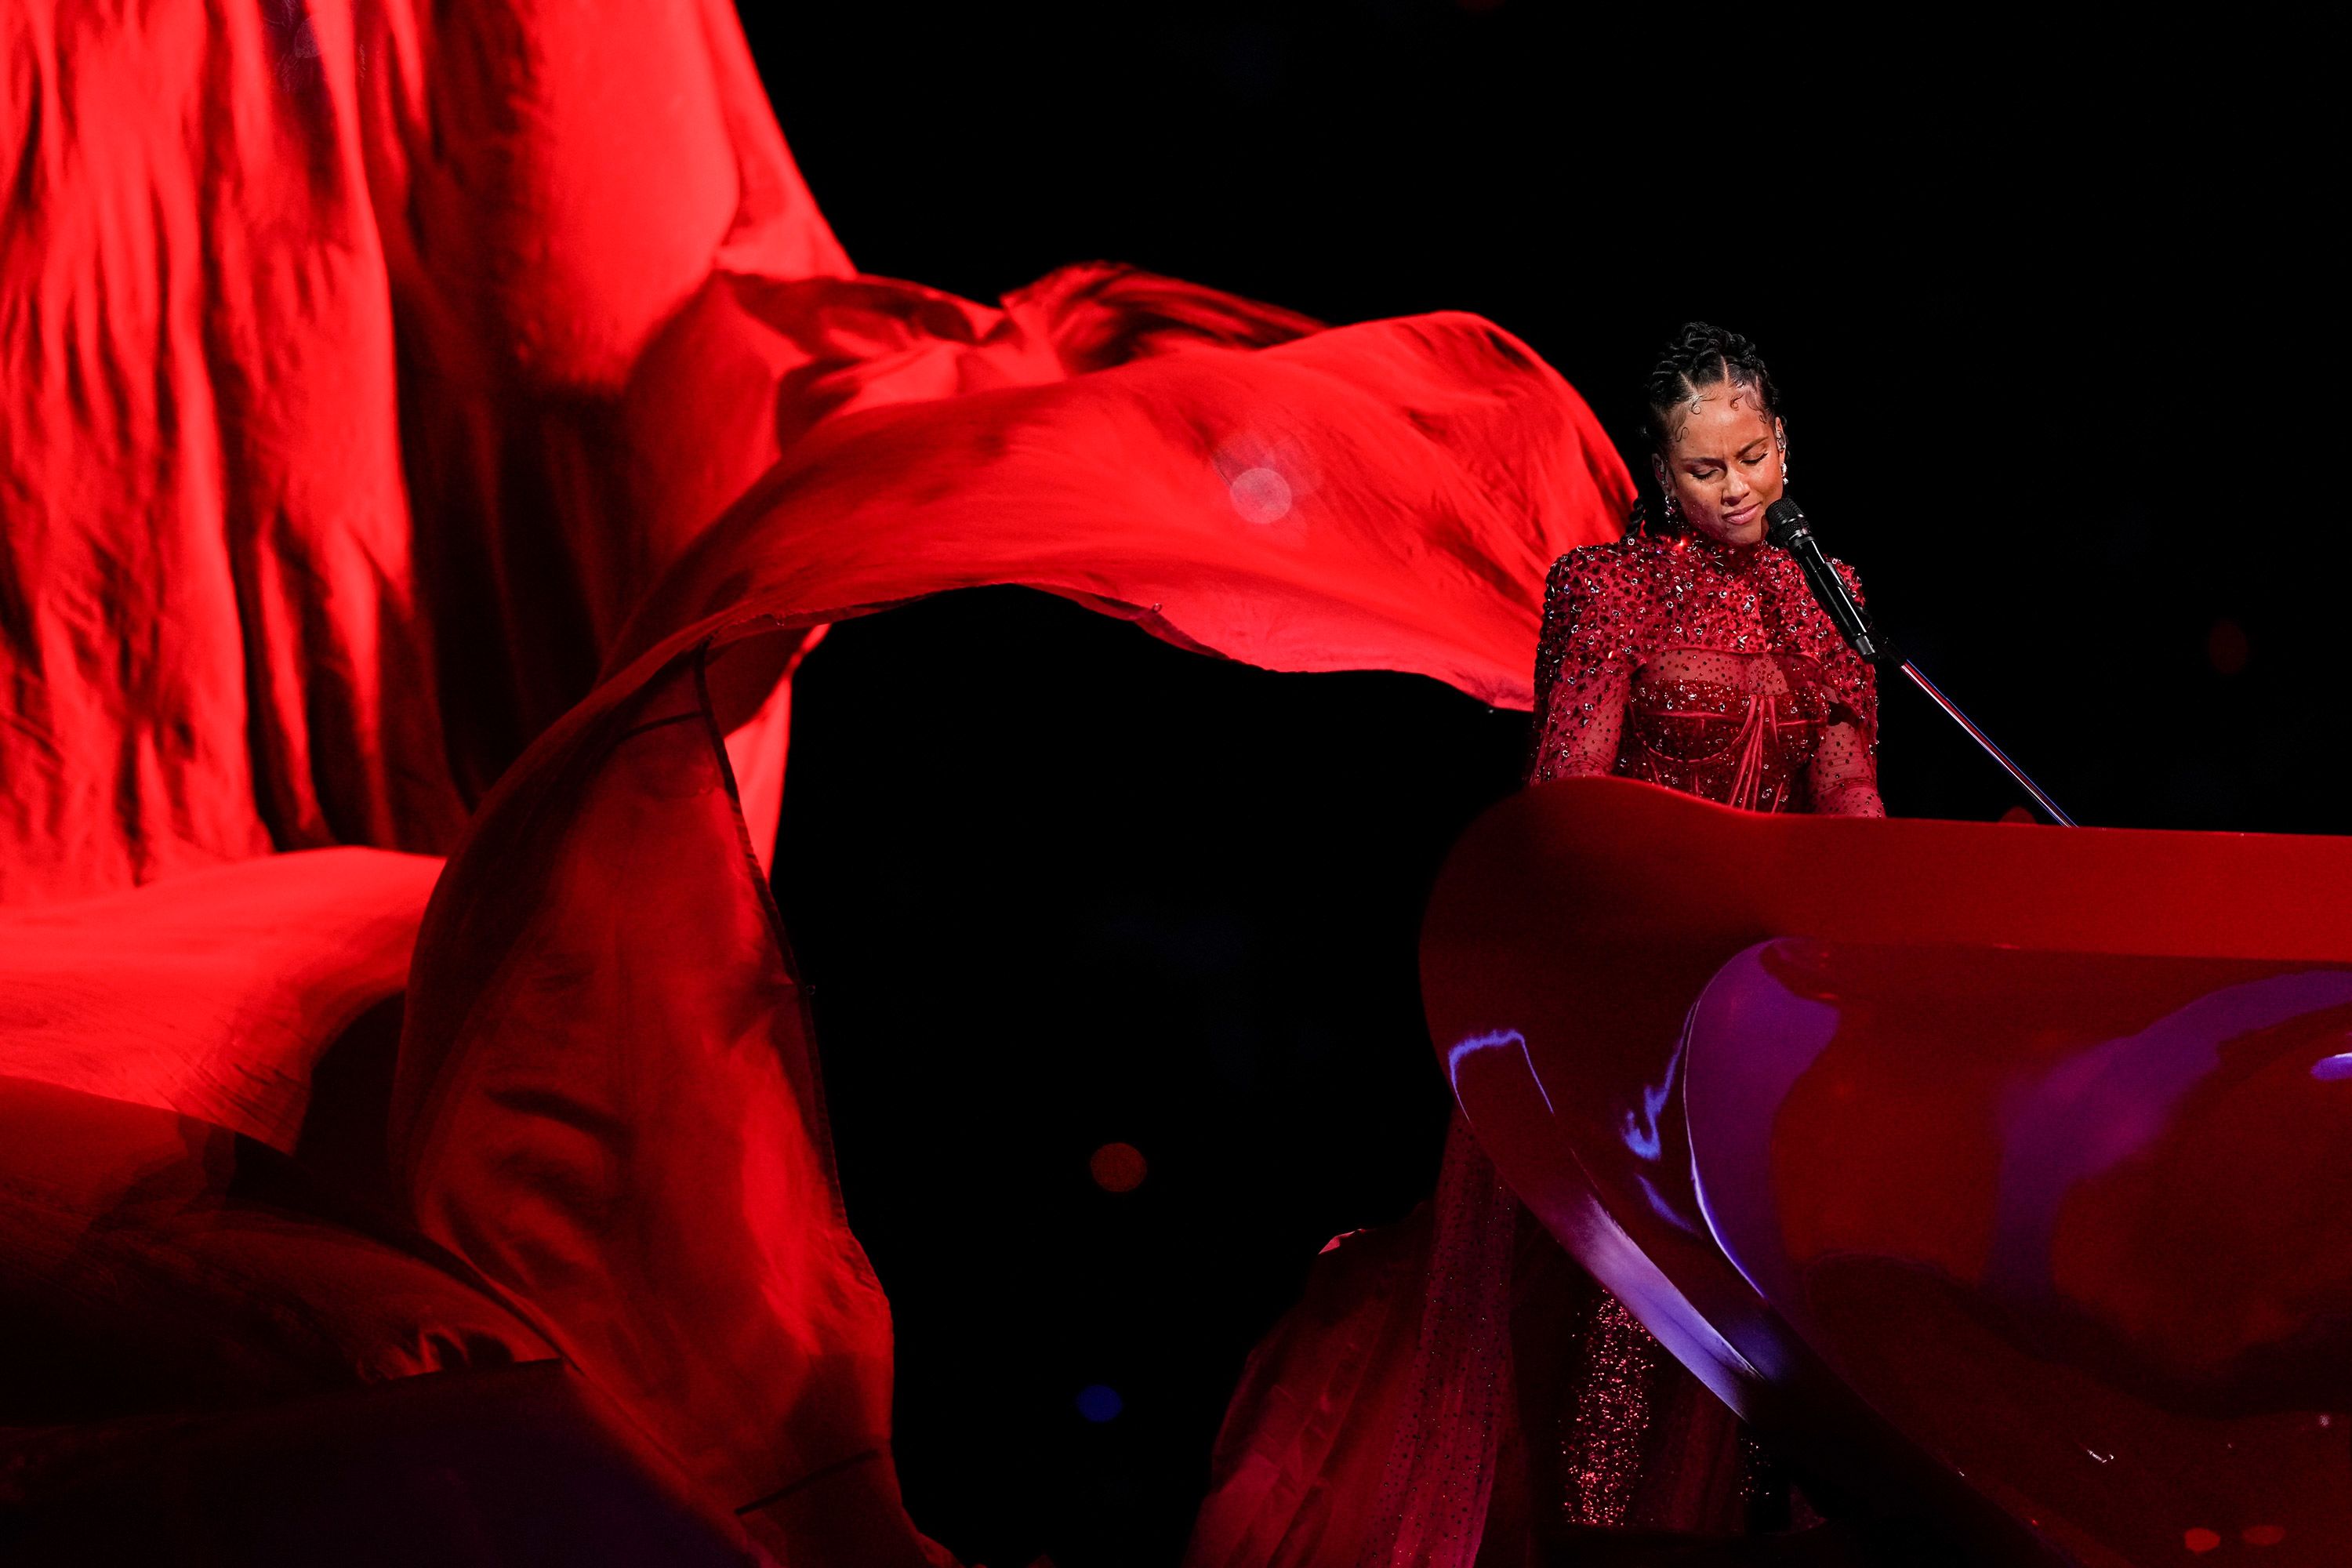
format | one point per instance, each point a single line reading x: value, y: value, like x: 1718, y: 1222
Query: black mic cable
x: 1785, y: 525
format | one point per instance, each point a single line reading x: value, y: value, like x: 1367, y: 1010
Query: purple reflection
x: 1663, y: 1209
x: 1640, y: 1129
x: 2108, y: 1102
x: 1471, y: 1045
x: 1750, y: 1038
x: 2328, y: 1069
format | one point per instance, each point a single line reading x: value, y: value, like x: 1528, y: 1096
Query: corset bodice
x: 1703, y: 667
x: 1733, y: 727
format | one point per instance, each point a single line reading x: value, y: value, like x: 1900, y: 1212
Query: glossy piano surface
x: 2007, y: 1166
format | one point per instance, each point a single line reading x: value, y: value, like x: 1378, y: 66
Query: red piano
x: 2003, y: 1169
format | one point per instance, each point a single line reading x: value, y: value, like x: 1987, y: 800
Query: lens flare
x: 1119, y: 1167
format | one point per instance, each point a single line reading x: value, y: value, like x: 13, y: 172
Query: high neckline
x: 1733, y: 558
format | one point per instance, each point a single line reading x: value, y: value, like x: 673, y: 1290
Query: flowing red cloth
x: 1369, y: 1428
x: 211, y: 995
x: 440, y: 429
x: 157, y: 1248
x: 602, y: 1035
x: 353, y: 400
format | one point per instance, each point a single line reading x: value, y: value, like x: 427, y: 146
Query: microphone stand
x: 1889, y: 655
x: 1789, y: 529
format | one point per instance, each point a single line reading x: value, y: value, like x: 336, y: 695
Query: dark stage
x: 1113, y: 948
x: 2049, y: 329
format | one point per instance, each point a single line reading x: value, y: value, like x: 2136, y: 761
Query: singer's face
x: 1724, y: 467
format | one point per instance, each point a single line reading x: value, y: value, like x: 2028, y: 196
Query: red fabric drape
x: 158, y: 1249
x: 354, y: 393
x: 211, y: 995
x: 596, y: 1044
x: 440, y: 429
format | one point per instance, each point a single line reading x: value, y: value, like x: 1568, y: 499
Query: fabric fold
x: 449, y: 444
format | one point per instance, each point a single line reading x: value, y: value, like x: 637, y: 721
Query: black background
x: 2054, y: 324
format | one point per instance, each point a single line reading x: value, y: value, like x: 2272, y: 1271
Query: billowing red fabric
x: 1367, y: 1426
x: 149, y: 1262
x: 211, y: 995
x: 399, y: 394
x: 1387, y: 496
x: 159, y: 1251
x: 334, y: 406
x: 601, y: 1037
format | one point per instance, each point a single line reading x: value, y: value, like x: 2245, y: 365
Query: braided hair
x: 1698, y: 356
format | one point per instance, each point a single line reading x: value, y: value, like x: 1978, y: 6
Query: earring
x: 1784, y: 466
x: 1674, y: 513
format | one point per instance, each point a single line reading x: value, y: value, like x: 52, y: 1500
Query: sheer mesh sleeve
x: 1843, y: 777
x: 1584, y: 666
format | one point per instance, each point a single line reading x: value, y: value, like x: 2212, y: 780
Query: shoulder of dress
x: 1595, y: 561
x: 1785, y: 566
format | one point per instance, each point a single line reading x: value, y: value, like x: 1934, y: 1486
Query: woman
x: 1691, y: 653
x: 1456, y: 1389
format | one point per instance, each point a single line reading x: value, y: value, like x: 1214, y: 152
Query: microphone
x: 1785, y: 525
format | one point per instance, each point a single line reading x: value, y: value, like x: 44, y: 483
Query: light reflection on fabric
x: 1471, y: 1045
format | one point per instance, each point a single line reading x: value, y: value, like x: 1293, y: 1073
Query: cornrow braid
x: 1701, y: 356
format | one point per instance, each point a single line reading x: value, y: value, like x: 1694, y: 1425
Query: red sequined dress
x: 1708, y: 668
x: 1456, y: 1391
